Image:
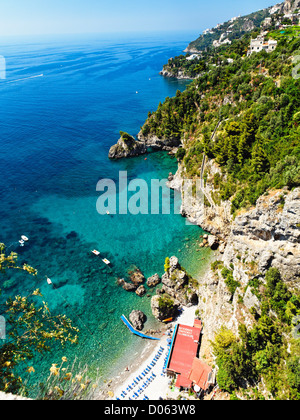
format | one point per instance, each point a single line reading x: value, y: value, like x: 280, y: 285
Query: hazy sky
x: 27, y: 17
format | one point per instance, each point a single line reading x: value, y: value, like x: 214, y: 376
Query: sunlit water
x: 62, y: 106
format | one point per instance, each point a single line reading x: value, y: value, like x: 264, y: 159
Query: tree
x: 260, y: 162
x: 167, y: 265
x: 31, y: 328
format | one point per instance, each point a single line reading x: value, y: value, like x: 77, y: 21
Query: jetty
x: 136, y: 332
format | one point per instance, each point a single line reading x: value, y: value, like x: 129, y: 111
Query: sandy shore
x: 151, y: 382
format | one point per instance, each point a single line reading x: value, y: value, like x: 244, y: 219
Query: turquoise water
x: 56, y: 131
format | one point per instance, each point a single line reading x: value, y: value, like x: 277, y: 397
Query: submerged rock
x: 129, y: 287
x: 153, y: 281
x: 137, y: 277
x: 141, y: 291
x: 213, y: 242
x: 127, y: 146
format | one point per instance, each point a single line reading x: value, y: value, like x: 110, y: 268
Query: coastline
x: 159, y: 386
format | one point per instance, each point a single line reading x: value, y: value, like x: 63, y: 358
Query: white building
x: 275, y: 9
x: 267, y: 22
x: 193, y: 56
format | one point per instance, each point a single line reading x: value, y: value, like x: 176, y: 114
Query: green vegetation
x: 167, y: 265
x: 31, y: 329
x: 166, y: 305
x: 229, y: 280
x: 189, y: 68
x: 126, y: 137
x: 265, y: 351
x: 278, y: 35
x: 257, y: 100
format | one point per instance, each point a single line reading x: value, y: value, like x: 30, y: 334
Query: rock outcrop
x: 178, y: 289
x: 180, y: 75
x: 269, y: 236
x: 215, y: 218
x: 128, y: 146
x: 137, y: 319
x: 129, y: 287
x: 136, y: 282
x: 154, y: 142
x: 179, y: 285
x: 266, y: 236
x: 164, y: 307
x: 141, y: 291
x: 291, y: 6
x: 137, y: 277
x: 153, y: 281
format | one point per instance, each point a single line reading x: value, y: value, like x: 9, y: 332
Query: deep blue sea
x: 63, y: 104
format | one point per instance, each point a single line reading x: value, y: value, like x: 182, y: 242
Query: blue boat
x: 134, y: 331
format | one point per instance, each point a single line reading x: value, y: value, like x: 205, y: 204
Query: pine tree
x: 260, y: 161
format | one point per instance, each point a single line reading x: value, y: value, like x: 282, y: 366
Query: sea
x: 63, y: 103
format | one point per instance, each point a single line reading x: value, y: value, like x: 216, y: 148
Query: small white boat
x: 108, y: 213
x: 106, y: 261
x: 21, y: 242
x: 49, y: 281
x: 96, y: 252
x: 24, y: 238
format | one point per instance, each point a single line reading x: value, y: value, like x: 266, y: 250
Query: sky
x: 37, y: 17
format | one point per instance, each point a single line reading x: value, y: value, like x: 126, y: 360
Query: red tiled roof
x: 199, y: 374
x: 183, y: 353
x: 183, y: 382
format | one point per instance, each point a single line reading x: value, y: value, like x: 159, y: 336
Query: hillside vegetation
x: 235, y: 30
x: 256, y: 101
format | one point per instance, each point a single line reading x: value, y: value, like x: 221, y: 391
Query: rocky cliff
x: 266, y: 236
x: 200, y: 209
x: 127, y: 146
x: 290, y: 6
x: 178, y: 289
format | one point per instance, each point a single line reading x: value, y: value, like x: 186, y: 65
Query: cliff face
x: 165, y: 143
x: 213, y: 218
x: 270, y: 235
x: 290, y: 6
x: 127, y: 146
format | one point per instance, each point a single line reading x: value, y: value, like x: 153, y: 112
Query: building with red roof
x: 201, y: 375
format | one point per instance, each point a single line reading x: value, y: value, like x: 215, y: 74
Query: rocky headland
x: 181, y: 75
x: 127, y: 146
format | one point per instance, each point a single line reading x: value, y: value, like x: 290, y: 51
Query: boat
x: 24, y: 238
x: 21, y: 242
x: 96, y: 252
x: 106, y: 261
x: 134, y: 331
x: 49, y: 281
x: 168, y: 320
